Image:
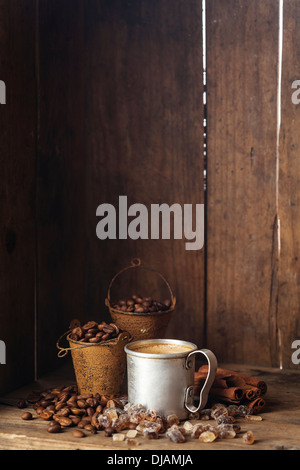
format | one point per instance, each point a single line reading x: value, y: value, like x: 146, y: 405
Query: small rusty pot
x: 99, y: 368
x: 141, y: 325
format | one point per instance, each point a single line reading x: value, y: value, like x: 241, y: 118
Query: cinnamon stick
x: 260, y: 384
x: 252, y: 392
x: 257, y: 405
x: 231, y: 394
x: 237, y: 379
x: 199, y: 379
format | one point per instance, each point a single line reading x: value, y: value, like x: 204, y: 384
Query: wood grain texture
x: 242, y: 58
x: 61, y: 175
x: 279, y: 429
x: 120, y: 114
x: 289, y: 194
x: 17, y: 191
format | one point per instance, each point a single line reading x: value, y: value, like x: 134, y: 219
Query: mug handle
x: 212, y: 369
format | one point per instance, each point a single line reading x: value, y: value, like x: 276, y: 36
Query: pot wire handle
x: 212, y: 369
x: 137, y: 263
x: 64, y: 351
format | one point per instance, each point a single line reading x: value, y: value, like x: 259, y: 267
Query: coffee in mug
x: 161, y: 348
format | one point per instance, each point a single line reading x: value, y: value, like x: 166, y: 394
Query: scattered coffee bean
x: 54, y: 428
x: 64, y: 421
x: 26, y: 416
x: 89, y: 427
x: 39, y: 410
x: 81, y: 424
x: 22, y: 404
x: 33, y: 397
x: 132, y: 425
x: 77, y: 433
x: 63, y: 407
x: 46, y: 415
x: 109, y: 431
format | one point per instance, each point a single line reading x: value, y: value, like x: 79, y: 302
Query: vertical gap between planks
x: 279, y: 80
x: 204, y: 156
x: 274, y: 291
x: 37, y: 123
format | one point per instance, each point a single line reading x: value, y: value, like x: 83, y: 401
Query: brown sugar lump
x: 248, y: 438
x: 207, y: 436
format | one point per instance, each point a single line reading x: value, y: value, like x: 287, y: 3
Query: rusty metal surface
x: 100, y: 368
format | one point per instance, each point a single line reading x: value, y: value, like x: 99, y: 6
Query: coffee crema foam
x: 161, y: 348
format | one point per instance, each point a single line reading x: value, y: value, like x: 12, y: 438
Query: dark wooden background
x: 105, y: 98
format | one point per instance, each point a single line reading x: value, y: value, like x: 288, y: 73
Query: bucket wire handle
x: 212, y: 369
x: 64, y: 351
x: 136, y: 263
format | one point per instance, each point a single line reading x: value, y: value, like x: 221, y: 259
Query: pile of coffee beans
x: 64, y: 407
x: 93, y: 332
x: 139, y: 304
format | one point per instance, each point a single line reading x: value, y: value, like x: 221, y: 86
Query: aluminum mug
x: 165, y: 382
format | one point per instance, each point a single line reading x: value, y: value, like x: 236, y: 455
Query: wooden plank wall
x: 61, y: 207
x: 242, y: 45
x: 252, y: 181
x: 113, y: 106
x: 120, y: 114
x: 17, y: 191
x: 289, y: 189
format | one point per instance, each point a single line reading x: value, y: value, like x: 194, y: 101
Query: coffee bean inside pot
x: 139, y: 304
x: 93, y: 332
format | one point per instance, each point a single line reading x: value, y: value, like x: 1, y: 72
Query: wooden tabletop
x: 279, y: 429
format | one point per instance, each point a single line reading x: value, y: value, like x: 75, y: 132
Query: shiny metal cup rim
x: 180, y: 342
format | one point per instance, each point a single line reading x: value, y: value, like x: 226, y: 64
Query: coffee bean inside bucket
x: 139, y: 304
x: 93, y: 332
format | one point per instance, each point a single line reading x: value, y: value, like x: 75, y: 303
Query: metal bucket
x: 99, y: 368
x: 141, y: 325
x: 165, y: 382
